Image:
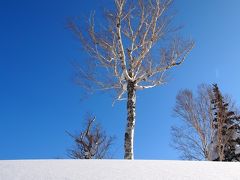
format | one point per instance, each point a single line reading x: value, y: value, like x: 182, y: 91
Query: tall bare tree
x: 196, y: 132
x: 131, y: 49
x: 91, y: 143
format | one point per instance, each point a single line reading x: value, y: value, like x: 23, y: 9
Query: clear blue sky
x: 39, y: 101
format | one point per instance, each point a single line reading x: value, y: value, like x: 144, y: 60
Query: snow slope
x: 117, y: 170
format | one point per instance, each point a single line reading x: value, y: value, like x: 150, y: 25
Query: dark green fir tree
x: 225, y: 145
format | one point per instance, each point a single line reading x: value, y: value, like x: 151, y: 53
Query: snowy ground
x: 117, y: 169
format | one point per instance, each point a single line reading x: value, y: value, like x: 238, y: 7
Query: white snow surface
x: 117, y: 170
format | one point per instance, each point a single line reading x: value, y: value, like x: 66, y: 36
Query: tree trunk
x: 129, y: 133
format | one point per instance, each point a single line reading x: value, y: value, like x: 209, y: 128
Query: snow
x: 117, y: 170
x: 236, y: 135
x: 212, y: 147
x: 237, y: 150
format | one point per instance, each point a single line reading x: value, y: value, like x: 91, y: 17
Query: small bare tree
x: 91, y: 143
x: 193, y: 137
x: 131, y: 49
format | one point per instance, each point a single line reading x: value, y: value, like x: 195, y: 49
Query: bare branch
x: 91, y: 143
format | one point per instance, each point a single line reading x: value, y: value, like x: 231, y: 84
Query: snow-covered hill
x: 117, y: 170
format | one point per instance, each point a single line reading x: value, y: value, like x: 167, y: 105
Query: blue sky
x: 39, y: 101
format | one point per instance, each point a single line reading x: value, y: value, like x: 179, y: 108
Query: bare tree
x: 91, y: 143
x: 131, y: 49
x: 194, y: 135
x: 196, y: 132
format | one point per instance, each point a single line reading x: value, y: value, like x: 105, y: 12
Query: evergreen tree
x: 225, y: 145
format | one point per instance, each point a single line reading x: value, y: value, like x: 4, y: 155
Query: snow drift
x: 117, y: 170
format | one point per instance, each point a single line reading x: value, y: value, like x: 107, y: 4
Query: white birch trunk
x: 129, y: 133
